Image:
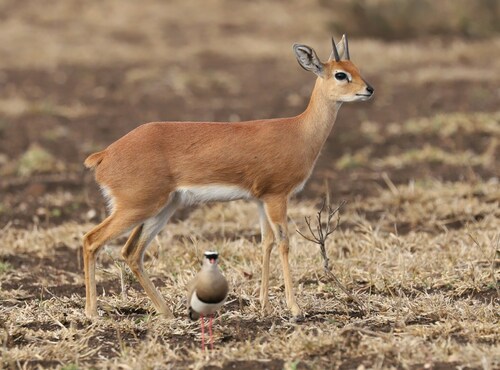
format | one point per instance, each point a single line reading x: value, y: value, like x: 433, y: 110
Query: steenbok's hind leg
x: 133, y: 253
x: 110, y: 228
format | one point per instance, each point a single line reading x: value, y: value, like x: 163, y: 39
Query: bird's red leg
x: 210, y: 332
x: 202, y: 333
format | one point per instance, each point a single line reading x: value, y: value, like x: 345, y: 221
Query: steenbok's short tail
x: 94, y: 159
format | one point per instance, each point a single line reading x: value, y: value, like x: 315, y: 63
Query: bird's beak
x: 212, y: 260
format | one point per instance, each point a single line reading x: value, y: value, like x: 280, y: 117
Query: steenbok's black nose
x: 370, y: 89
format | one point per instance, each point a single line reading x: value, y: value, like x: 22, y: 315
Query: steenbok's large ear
x: 308, y: 59
x: 342, y: 49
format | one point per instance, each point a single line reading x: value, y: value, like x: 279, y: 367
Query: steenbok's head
x: 339, y: 79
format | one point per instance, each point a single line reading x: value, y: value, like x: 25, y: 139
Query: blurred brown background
x: 76, y: 75
x: 418, y: 165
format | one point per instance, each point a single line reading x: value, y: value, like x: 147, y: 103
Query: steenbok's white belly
x: 208, y: 193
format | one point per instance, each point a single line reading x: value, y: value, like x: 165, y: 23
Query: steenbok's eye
x: 340, y: 76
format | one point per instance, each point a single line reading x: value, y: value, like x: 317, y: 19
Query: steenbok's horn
x: 346, y: 46
x: 335, y: 51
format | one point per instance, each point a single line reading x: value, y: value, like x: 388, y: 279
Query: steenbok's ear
x: 308, y: 59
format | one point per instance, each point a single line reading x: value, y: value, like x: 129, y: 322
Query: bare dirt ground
x: 417, y: 165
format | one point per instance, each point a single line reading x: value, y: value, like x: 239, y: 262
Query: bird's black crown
x: 211, y: 255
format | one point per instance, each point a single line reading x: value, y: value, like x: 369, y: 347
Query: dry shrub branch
x: 319, y: 234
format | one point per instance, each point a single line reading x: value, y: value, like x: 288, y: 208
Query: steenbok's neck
x: 319, y: 117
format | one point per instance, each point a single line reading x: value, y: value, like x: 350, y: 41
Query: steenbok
x: 160, y: 166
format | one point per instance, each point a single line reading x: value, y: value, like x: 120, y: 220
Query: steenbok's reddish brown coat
x: 156, y: 168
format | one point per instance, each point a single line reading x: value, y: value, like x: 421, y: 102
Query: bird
x: 207, y: 292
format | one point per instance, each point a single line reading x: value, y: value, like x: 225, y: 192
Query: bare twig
x: 320, y: 233
x: 323, y: 230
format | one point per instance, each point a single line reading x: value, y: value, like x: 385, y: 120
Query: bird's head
x: 211, y: 257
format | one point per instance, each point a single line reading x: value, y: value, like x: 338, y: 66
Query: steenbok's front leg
x: 267, y: 241
x: 276, y: 208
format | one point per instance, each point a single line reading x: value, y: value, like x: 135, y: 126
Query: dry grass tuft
x: 429, y: 292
